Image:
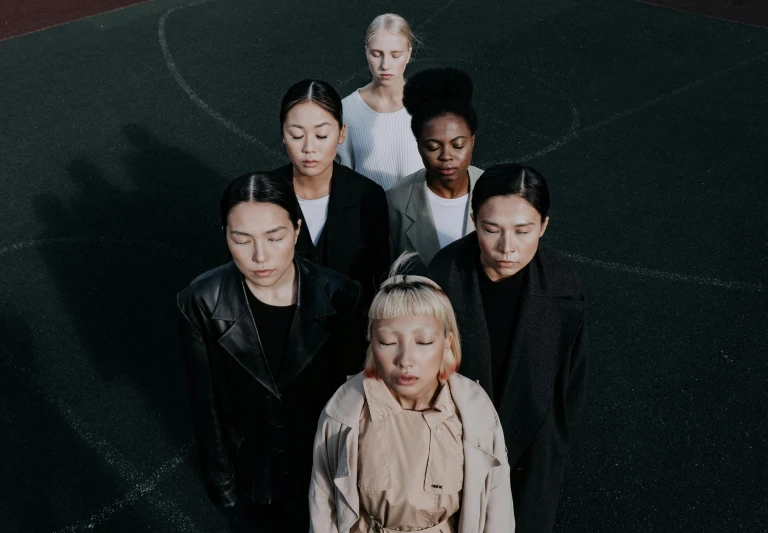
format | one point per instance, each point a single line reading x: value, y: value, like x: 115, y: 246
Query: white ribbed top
x: 379, y: 146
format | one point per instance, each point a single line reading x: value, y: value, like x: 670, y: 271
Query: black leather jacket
x: 250, y: 429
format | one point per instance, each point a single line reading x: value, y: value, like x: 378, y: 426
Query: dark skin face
x: 446, y: 145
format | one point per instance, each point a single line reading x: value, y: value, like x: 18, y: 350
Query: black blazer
x: 251, y: 429
x: 355, y: 239
x: 542, y: 399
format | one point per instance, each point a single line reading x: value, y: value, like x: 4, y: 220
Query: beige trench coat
x: 486, y: 501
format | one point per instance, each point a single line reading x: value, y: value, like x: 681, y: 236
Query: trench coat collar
x: 422, y: 233
x: 545, y: 331
x: 242, y: 342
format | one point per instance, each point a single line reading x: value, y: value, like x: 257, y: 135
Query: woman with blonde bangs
x: 379, y: 143
x: 409, y: 444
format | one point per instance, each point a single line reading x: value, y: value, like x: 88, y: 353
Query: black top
x: 501, y: 304
x: 273, y: 324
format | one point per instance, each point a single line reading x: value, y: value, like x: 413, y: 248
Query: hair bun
x: 436, y: 83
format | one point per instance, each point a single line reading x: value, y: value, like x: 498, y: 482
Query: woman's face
x: 508, y: 230
x: 311, y: 136
x: 408, y: 352
x: 446, y: 146
x: 387, y: 53
x: 261, y: 239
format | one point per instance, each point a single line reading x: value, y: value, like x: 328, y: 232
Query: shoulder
x: 475, y: 173
x: 557, y: 272
x: 343, y: 291
x: 451, y: 254
x: 347, y: 402
x: 403, y: 189
x: 284, y: 171
x: 355, y: 183
x: 474, y: 404
x: 206, y: 284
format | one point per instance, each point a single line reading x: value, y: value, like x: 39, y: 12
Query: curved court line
x: 574, y: 134
x: 668, y: 276
x: 231, y: 126
x: 90, y: 239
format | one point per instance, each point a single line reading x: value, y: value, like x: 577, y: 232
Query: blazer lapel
x: 474, y: 174
x: 422, y: 233
x: 339, y: 221
x: 306, y: 335
x: 241, y: 341
x: 543, y: 335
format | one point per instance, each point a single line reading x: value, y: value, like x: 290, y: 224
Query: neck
x: 392, y: 92
x: 423, y: 401
x: 283, y: 292
x: 312, y: 187
x: 449, y: 189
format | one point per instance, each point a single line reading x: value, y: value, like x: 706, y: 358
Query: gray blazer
x: 411, y: 225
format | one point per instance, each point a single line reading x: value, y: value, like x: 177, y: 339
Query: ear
x: 298, y: 230
x: 544, y: 227
x: 472, y: 216
x: 343, y: 134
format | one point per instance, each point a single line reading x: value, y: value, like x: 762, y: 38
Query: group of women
x: 391, y: 348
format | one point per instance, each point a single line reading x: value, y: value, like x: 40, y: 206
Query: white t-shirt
x: 450, y: 216
x: 380, y: 146
x: 315, y: 213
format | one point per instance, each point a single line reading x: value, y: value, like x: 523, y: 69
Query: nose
x: 259, y: 255
x: 446, y: 154
x: 385, y: 62
x: 309, y: 145
x: 507, y: 243
x: 404, y: 359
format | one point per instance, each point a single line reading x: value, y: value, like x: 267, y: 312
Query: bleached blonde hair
x: 409, y: 295
x: 393, y: 24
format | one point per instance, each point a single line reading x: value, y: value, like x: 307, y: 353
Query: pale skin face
x: 446, y: 145
x: 311, y: 136
x: 387, y: 53
x: 508, y: 231
x: 261, y: 239
x: 408, y: 352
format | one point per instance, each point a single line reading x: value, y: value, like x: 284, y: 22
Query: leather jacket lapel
x: 241, y: 340
x: 306, y: 336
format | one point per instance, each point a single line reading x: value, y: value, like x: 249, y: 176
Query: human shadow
x: 137, y: 246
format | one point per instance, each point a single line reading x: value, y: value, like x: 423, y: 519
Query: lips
x: 447, y: 170
x: 386, y: 76
x: 262, y: 273
x: 506, y: 264
x: 404, y: 379
x: 310, y: 163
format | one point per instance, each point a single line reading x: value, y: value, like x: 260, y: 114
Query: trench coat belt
x: 372, y: 525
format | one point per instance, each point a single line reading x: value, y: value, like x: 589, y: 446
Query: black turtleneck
x: 501, y: 303
x: 273, y: 324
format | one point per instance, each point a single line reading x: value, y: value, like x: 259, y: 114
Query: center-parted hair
x: 437, y: 92
x: 402, y: 294
x: 511, y: 179
x: 260, y: 187
x: 316, y: 91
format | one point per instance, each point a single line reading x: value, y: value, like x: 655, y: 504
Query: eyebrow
x: 302, y: 127
x: 452, y: 140
x: 268, y: 232
x: 520, y: 225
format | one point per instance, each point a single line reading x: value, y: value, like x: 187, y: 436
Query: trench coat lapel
x: 306, y: 335
x: 543, y: 336
x: 241, y: 341
x: 422, y: 233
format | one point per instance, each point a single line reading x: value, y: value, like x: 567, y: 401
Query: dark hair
x: 260, y: 187
x: 315, y: 91
x: 510, y: 179
x: 436, y: 92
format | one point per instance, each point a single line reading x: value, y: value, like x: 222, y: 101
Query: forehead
x: 387, y: 41
x: 257, y: 217
x: 406, y: 325
x: 447, y: 126
x: 508, y: 210
x: 308, y: 113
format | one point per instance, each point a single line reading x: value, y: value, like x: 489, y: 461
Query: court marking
x: 116, y: 461
x: 199, y: 102
x: 576, y: 133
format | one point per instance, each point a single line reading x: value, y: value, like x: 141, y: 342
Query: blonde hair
x: 393, y: 24
x: 409, y: 295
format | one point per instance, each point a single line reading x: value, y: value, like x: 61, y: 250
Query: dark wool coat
x: 542, y: 397
x: 254, y: 429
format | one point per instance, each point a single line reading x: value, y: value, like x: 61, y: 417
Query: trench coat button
x: 439, y: 429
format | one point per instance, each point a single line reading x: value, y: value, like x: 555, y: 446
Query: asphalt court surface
x: 119, y: 132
